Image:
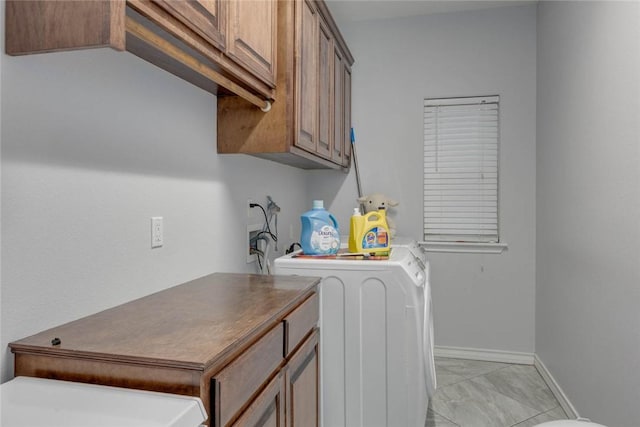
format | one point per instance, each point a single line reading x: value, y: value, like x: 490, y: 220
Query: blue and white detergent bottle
x: 320, y: 235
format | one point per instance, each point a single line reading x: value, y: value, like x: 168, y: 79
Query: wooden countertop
x: 221, y: 313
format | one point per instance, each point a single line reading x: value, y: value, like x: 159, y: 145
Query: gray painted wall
x: 94, y: 143
x: 588, y: 205
x: 481, y: 301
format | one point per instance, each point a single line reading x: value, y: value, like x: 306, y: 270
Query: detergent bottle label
x: 374, y: 238
x: 324, y: 238
x: 320, y: 235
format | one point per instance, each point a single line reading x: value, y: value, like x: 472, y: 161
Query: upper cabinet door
x: 252, y: 30
x: 325, y: 98
x: 306, y: 75
x: 206, y: 17
x: 337, y: 153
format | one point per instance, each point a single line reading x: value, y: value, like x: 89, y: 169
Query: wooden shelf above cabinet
x: 187, y: 40
x: 309, y: 123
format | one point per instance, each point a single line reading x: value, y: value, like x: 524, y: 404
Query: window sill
x: 464, y: 247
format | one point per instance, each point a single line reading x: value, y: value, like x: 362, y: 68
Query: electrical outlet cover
x: 251, y: 229
x: 157, y: 238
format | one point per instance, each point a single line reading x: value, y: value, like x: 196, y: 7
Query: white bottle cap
x: 318, y: 204
x: 356, y: 212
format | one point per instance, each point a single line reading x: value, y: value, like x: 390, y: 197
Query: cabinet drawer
x: 233, y: 386
x: 300, y: 322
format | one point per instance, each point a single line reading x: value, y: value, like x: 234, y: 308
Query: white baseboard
x: 484, y: 354
x: 562, y: 398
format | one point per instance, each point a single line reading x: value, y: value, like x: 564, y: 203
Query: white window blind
x: 461, y: 138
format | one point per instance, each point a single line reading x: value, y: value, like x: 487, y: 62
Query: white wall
x: 588, y: 205
x: 481, y: 301
x: 94, y: 143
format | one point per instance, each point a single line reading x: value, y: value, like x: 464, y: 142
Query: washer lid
x: 38, y: 402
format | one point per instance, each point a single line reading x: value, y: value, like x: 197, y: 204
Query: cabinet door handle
x: 285, y: 350
x: 214, y: 404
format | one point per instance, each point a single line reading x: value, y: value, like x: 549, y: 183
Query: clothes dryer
x: 376, y: 344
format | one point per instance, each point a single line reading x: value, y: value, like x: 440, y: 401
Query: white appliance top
x: 38, y: 402
x: 399, y: 258
x: 397, y: 255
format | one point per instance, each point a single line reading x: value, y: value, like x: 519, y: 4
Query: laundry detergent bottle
x: 320, y: 235
x: 369, y: 233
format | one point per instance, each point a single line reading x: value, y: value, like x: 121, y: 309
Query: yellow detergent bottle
x: 369, y: 233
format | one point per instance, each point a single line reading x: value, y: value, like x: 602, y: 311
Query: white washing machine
x: 376, y: 341
x: 39, y: 402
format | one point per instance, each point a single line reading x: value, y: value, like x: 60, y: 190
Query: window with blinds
x: 461, y: 137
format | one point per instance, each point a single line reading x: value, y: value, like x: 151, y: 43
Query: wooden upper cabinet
x: 252, y: 37
x: 222, y: 46
x: 285, y: 56
x: 306, y: 125
x: 205, y: 17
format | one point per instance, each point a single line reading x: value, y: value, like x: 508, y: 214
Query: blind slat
x: 464, y: 210
x: 459, y: 176
x: 461, y: 170
x: 464, y: 222
x: 462, y: 231
x: 487, y: 204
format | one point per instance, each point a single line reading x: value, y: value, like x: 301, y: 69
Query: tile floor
x: 473, y: 393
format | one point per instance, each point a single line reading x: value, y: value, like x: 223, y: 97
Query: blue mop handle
x: 355, y: 161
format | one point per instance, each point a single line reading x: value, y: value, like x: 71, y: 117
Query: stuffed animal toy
x: 377, y: 201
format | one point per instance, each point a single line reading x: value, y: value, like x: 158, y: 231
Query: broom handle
x: 355, y: 161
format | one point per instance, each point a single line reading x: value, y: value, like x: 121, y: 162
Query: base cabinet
x: 247, y: 345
